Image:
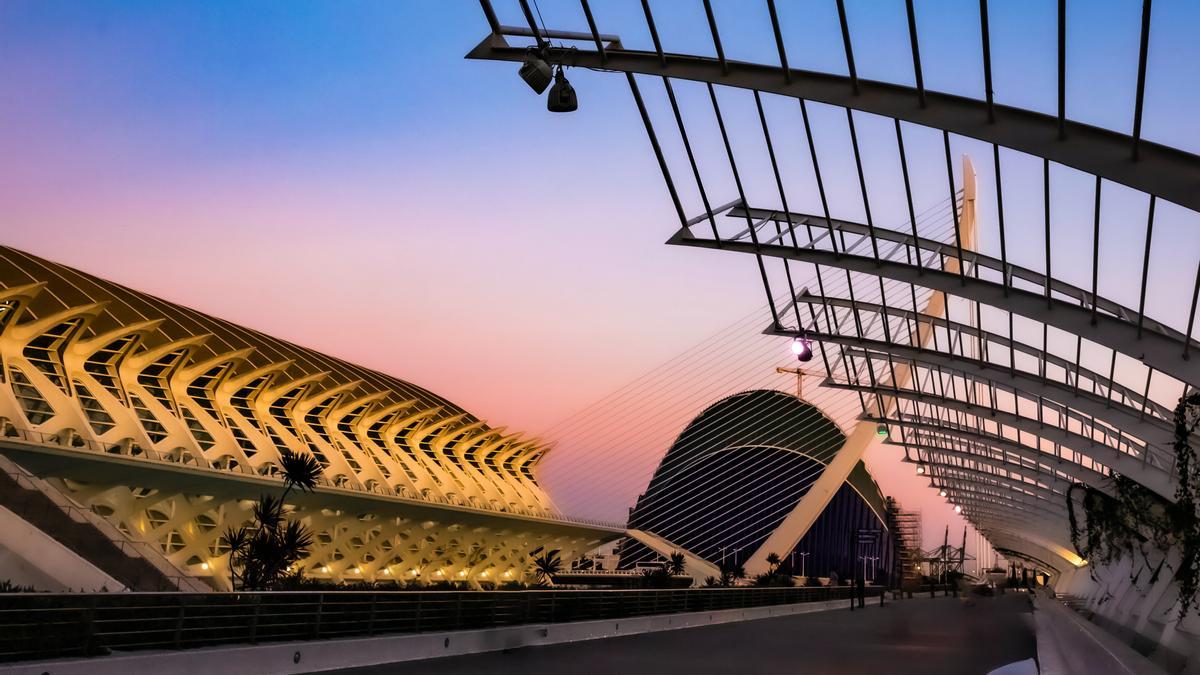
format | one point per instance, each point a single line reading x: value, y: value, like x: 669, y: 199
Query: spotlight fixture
x: 881, y: 430
x: 941, y: 493
x: 536, y: 72
x: 920, y: 470
x: 802, y: 348
x: 957, y: 508
x: 562, y: 95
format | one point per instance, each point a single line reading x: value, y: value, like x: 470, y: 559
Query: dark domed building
x: 735, y: 473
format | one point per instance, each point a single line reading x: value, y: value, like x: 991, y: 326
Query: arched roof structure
x: 1018, y: 382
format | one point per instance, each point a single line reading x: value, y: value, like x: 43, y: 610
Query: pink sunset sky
x: 342, y: 178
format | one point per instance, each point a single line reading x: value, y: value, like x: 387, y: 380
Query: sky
x: 337, y: 174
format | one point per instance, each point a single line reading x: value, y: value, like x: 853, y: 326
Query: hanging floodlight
x: 881, y: 430
x: 536, y: 72
x: 941, y: 493
x: 957, y: 508
x: 562, y: 94
x: 920, y: 470
x: 802, y: 348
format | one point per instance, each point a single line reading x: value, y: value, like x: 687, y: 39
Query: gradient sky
x: 335, y: 173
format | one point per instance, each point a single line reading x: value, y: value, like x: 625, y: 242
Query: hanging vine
x: 1133, y: 520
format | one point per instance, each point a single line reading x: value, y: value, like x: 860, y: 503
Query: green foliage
x: 299, y: 470
x: 7, y: 586
x: 1134, y: 520
x: 676, y: 564
x: 263, y: 554
x: 774, y: 576
x: 546, y: 565
x: 774, y: 579
x: 731, y: 573
x: 656, y: 578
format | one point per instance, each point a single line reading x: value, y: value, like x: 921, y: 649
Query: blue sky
x: 337, y: 173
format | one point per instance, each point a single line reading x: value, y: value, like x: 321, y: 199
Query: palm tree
x: 675, y: 564
x: 546, y: 565
x: 263, y: 553
x: 299, y: 471
x: 773, y: 560
x: 731, y: 572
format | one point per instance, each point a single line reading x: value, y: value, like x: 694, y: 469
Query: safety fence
x: 44, y: 625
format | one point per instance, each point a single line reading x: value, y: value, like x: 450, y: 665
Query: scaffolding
x: 906, y: 529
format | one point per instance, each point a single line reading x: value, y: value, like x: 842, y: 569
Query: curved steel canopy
x: 1104, y: 425
x: 1160, y: 170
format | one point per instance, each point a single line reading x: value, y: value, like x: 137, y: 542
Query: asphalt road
x: 927, y: 636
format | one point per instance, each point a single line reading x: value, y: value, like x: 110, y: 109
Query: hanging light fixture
x: 535, y: 71
x: 881, y: 430
x: 920, y: 471
x: 802, y: 348
x: 562, y: 95
x: 942, y: 492
x: 957, y: 508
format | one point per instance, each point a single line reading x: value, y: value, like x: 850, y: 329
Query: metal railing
x: 45, y: 625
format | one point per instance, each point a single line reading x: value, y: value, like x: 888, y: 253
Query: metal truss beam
x: 961, y: 494
x: 1041, y: 466
x: 1160, y: 350
x: 970, y: 435
x: 1144, y: 427
x: 1144, y: 472
x: 1054, y: 529
x: 1006, y: 270
x: 1031, y: 385
x: 1158, y: 410
x: 1017, y: 469
x: 1159, y: 170
x: 999, y: 443
x: 1043, y: 528
x: 1007, y: 488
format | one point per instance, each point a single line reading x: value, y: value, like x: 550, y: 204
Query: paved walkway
x: 932, y: 637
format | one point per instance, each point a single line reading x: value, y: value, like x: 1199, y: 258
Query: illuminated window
x: 243, y: 441
x: 241, y: 400
x: 173, y: 542
x: 315, y: 417
x: 203, y: 438
x: 206, y: 522
x: 102, y: 365
x: 36, y: 409
x: 201, y: 389
x: 154, y: 429
x: 96, y: 415
x: 155, y: 376
x: 156, y: 518
x: 44, y: 352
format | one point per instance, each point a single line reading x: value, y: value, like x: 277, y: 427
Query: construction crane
x: 947, y: 559
x: 799, y: 379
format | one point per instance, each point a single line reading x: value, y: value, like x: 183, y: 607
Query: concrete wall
x: 1143, y: 613
x: 30, y: 557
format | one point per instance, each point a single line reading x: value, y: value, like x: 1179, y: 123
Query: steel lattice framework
x: 1003, y: 425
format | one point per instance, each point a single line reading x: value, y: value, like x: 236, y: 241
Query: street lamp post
x: 803, y: 566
